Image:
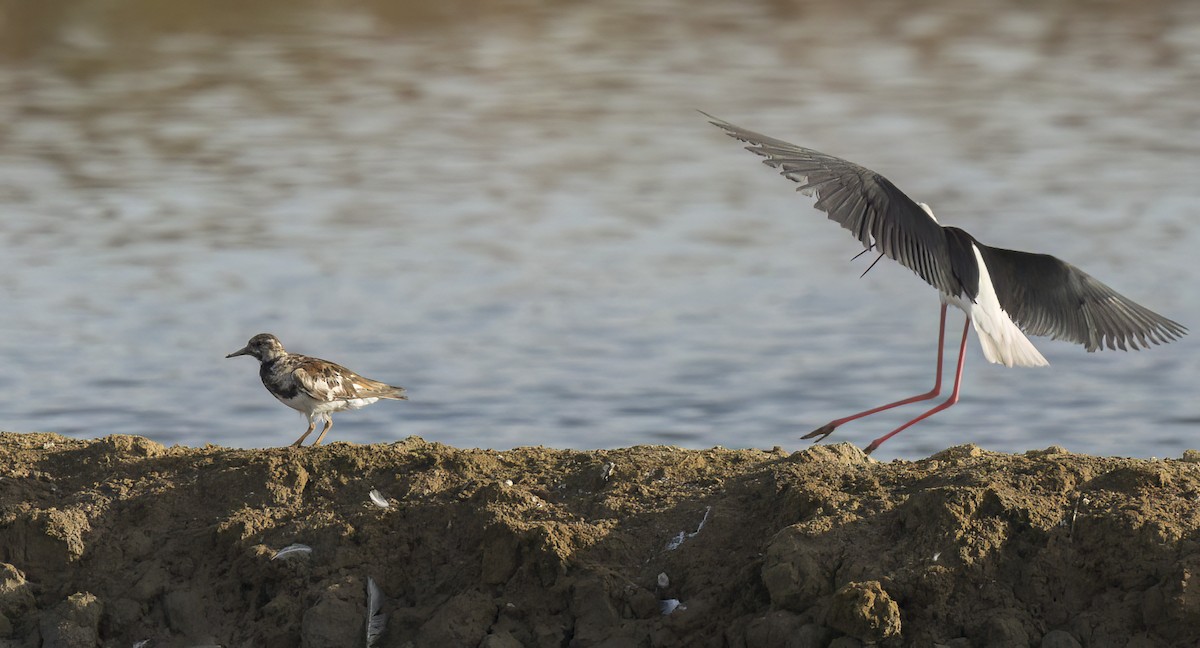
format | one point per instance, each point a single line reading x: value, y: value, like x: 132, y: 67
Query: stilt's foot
x: 874, y: 444
x: 297, y: 443
x: 821, y: 432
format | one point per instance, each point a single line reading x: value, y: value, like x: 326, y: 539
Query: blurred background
x: 514, y: 210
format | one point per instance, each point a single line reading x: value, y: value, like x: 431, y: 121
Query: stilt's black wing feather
x: 1047, y: 296
x: 864, y: 202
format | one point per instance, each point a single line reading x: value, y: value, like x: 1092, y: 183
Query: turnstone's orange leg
x: 300, y: 441
x: 328, y: 424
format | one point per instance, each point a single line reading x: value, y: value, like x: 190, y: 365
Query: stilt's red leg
x: 962, y: 354
x: 828, y: 428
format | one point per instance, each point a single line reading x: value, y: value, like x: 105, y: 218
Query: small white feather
x: 378, y: 499
x: 376, y: 619
x: 141, y: 644
x: 674, y: 543
x: 292, y: 549
x: 703, y: 521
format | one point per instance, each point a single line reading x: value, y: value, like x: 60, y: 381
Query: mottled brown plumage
x: 314, y: 387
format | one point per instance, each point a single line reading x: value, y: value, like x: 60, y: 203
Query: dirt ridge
x: 112, y: 541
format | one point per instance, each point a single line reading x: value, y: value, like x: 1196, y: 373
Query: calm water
x: 520, y: 216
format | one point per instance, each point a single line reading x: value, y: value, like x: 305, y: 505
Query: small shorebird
x: 314, y: 387
x: 1004, y: 293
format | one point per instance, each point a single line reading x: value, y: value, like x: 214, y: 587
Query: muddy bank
x: 119, y: 540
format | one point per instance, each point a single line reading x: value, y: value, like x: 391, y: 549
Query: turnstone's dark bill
x: 314, y: 387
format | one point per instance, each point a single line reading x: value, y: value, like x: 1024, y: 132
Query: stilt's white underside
x: 1002, y: 342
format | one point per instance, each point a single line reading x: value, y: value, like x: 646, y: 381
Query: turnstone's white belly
x: 301, y: 402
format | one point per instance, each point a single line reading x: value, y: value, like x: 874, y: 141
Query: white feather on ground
x: 674, y: 543
x: 292, y: 549
x: 378, y: 499
x: 376, y: 619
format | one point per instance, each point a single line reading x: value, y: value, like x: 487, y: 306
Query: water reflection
x: 518, y: 215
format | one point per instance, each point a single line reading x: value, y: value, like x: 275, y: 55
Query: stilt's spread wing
x: 864, y: 202
x: 1047, y: 296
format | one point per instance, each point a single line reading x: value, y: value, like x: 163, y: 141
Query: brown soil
x: 113, y: 541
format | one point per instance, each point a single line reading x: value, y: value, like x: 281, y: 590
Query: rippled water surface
x: 519, y: 216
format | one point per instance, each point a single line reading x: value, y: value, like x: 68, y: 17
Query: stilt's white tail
x: 1002, y: 342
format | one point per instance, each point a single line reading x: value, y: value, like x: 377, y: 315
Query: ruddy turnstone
x: 314, y: 387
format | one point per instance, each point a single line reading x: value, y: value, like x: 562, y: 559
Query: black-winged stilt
x: 1004, y: 293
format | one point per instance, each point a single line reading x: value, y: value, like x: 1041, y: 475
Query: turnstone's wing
x: 325, y: 381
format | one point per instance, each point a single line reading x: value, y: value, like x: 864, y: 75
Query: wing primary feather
x: 1144, y: 328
